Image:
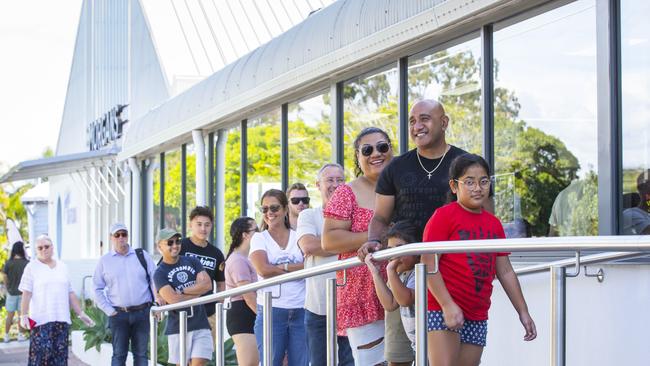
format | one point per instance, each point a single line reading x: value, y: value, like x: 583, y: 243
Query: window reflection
x: 310, y: 142
x: 635, y: 57
x: 545, y: 123
x: 453, y: 77
x: 264, y: 156
x: 369, y: 100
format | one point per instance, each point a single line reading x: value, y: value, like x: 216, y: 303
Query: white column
x: 199, y: 148
x: 220, y: 187
x: 133, y: 203
x: 151, y: 167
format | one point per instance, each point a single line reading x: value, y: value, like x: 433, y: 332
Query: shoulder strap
x: 140, y: 253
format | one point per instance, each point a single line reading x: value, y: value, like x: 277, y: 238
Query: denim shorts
x: 12, y: 303
x: 472, y: 332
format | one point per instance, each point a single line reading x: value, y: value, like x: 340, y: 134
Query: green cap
x: 166, y: 234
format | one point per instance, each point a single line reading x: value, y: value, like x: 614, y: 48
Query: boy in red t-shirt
x: 459, y: 295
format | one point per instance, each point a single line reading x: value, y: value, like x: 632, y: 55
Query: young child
x: 401, y: 277
x: 459, y: 294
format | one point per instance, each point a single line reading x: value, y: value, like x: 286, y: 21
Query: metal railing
x: 625, y: 247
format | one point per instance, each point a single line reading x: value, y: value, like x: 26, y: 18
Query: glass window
x: 232, y: 180
x: 452, y: 77
x: 264, y: 153
x: 173, y: 190
x: 635, y: 57
x: 545, y: 123
x: 310, y: 142
x: 369, y: 100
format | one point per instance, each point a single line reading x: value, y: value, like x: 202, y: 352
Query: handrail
x: 633, y: 243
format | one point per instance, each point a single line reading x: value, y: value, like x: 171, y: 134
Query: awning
x: 59, y: 165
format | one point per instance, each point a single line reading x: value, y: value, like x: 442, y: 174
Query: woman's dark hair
x: 238, y: 227
x: 460, y: 165
x: 366, y: 131
x: 18, y: 249
x: 406, y: 231
x: 282, y: 198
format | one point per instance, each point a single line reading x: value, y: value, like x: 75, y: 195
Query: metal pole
x: 420, y: 314
x: 332, y: 351
x: 153, y: 337
x: 182, y: 335
x: 558, y: 319
x: 218, y: 341
x: 267, y: 334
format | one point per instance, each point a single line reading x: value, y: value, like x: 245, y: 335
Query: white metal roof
x: 346, y: 35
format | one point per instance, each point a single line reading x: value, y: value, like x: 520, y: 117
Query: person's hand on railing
x: 453, y: 316
x: 529, y: 326
x: 368, y: 247
x: 372, y: 265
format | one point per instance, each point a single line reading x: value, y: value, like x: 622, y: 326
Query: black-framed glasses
x: 484, y: 183
x: 123, y: 234
x: 296, y: 200
x: 382, y: 147
x: 273, y: 208
x: 173, y: 241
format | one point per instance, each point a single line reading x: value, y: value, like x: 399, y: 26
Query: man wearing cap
x: 181, y: 278
x: 125, y: 292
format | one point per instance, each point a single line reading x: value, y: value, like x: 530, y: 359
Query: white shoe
x: 6, y: 338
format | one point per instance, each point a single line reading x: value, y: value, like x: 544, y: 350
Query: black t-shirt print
x: 416, y: 196
x: 210, y: 258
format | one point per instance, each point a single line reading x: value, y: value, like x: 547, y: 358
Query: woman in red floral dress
x: 359, y: 313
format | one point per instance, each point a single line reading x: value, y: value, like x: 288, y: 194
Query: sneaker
x: 6, y: 338
x: 21, y: 337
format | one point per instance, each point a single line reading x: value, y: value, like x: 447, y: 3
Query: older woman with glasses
x: 273, y: 252
x: 47, y: 298
x: 347, y: 215
x: 239, y: 271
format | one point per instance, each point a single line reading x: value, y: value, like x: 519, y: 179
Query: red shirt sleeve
x: 341, y: 204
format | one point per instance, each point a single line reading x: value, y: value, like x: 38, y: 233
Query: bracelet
x: 286, y: 267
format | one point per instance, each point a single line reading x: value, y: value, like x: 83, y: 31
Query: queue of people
x: 435, y: 192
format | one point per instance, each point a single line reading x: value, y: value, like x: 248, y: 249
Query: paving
x: 16, y: 353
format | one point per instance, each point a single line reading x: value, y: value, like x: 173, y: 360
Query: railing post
x: 420, y: 314
x: 267, y: 335
x: 182, y: 336
x: 218, y: 339
x: 153, y: 338
x: 558, y: 316
x: 332, y: 350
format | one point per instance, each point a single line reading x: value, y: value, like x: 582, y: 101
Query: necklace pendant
x: 429, y: 176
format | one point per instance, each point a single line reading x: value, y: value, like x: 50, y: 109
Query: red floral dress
x: 356, y: 302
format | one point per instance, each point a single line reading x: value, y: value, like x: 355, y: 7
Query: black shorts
x: 240, y: 318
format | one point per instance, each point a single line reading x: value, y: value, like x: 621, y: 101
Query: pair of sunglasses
x: 174, y: 241
x: 123, y: 234
x: 273, y: 208
x: 296, y: 200
x: 382, y: 147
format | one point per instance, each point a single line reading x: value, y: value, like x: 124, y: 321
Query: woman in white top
x: 47, y: 298
x: 273, y: 252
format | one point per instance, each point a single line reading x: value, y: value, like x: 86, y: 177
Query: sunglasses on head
x: 123, y: 234
x: 273, y: 208
x: 296, y: 200
x: 173, y: 241
x: 382, y: 147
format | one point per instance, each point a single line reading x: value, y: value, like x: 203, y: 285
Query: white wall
x: 606, y: 322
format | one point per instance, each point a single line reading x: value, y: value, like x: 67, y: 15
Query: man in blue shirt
x: 124, y: 291
x: 179, y: 278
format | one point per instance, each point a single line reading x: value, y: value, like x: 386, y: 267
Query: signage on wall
x: 106, y: 128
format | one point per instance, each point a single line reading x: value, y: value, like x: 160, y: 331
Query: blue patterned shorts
x: 472, y: 332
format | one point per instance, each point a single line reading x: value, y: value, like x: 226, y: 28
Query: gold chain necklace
x: 429, y: 173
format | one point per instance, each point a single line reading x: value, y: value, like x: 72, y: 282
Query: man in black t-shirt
x: 411, y: 187
x: 197, y: 246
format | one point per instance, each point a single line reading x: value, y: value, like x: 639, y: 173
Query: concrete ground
x: 16, y: 353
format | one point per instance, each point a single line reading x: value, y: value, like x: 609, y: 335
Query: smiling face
x: 404, y: 263
x: 170, y: 251
x: 427, y: 124
x: 200, y: 227
x: 330, y: 178
x: 373, y: 164
x: 273, y: 219
x: 471, y: 188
